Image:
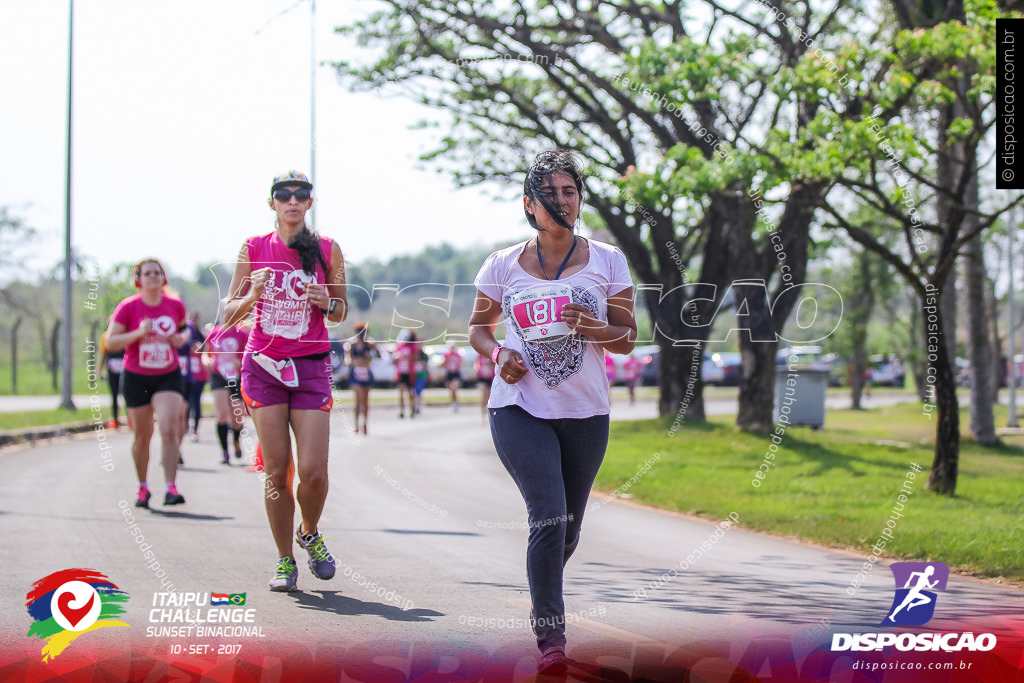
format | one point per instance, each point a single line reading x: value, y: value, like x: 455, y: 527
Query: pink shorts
x: 312, y: 390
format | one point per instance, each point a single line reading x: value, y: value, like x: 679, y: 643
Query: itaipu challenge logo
x: 70, y: 603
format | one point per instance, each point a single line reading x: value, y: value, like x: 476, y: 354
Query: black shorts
x: 218, y: 381
x: 404, y: 380
x: 454, y: 374
x: 138, y: 389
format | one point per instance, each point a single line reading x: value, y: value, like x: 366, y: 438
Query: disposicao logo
x: 915, y: 578
x: 69, y: 603
x: 914, y: 605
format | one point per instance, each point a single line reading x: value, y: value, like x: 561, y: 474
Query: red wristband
x: 494, y: 354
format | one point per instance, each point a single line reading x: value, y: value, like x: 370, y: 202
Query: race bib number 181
x: 538, y: 311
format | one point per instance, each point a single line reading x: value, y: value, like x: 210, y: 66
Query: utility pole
x: 66, y: 359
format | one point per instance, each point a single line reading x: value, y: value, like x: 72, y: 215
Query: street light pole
x: 312, y: 102
x: 1011, y: 378
x: 66, y: 357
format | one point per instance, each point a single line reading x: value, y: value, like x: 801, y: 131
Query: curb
x: 32, y: 434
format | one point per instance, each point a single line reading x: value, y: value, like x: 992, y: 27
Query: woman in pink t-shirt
x: 293, y: 281
x: 404, y: 358
x: 453, y: 373
x: 548, y: 407
x: 150, y: 326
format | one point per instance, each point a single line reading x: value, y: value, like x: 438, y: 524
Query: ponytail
x: 308, y: 246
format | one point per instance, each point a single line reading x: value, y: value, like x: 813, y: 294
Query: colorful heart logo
x: 72, y: 614
x: 75, y: 605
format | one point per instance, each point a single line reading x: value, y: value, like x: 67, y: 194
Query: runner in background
x: 631, y: 373
x: 112, y: 363
x: 224, y: 346
x: 453, y: 373
x: 404, y: 358
x: 360, y: 353
x: 294, y: 280
x: 419, y: 373
x: 199, y: 376
x: 609, y: 371
x: 150, y: 326
x: 187, y: 376
x: 485, y: 375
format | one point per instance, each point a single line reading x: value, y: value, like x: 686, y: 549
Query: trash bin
x: 807, y: 404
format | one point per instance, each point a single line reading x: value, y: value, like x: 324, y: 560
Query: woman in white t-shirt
x: 548, y: 407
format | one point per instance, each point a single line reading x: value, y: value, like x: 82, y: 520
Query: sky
x: 183, y: 113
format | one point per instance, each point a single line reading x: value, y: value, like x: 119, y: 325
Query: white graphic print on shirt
x: 284, y: 308
x: 554, y: 360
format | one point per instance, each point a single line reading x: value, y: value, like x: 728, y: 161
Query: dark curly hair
x: 545, y: 164
x: 308, y: 245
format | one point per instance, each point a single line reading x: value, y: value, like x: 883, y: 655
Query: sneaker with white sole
x: 321, y: 562
x: 285, y: 576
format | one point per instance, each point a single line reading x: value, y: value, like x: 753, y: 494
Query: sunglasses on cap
x: 302, y: 195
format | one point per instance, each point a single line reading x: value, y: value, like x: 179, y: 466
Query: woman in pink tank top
x: 150, y: 326
x: 293, y: 281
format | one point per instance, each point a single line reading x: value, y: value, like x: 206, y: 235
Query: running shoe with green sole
x: 321, y: 562
x: 285, y: 576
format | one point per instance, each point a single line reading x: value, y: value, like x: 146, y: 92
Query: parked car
x: 731, y: 362
x: 886, y: 371
x: 718, y: 368
x: 809, y: 357
x: 648, y: 355
x: 965, y: 371
x: 713, y: 370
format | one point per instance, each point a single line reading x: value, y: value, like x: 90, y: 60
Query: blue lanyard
x: 564, y: 261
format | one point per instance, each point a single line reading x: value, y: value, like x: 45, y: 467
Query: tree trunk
x: 860, y: 364
x: 942, y: 478
x: 682, y: 387
x: 675, y: 362
x: 983, y: 421
x: 918, y: 364
x: 757, y: 385
x: 997, y: 343
x: 947, y: 306
x: 862, y: 304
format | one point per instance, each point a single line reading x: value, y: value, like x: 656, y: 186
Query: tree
x: 912, y: 160
x: 14, y: 235
x: 682, y: 109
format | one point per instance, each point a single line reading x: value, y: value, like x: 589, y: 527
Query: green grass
x: 34, y: 379
x: 46, y: 418
x: 837, y: 487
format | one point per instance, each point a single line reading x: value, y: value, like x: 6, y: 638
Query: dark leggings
x: 114, y: 380
x: 554, y: 463
x: 195, y: 396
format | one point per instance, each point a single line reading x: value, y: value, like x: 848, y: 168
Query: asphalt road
x: 423, y: 509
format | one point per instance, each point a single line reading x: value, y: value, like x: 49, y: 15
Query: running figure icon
x: 916, y: 584
x: 915, y: 597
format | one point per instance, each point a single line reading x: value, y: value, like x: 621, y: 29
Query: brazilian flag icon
x: 237, y: 598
